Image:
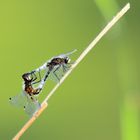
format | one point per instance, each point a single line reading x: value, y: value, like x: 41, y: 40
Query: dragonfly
x: 27, y: 98
x: 54, y: 68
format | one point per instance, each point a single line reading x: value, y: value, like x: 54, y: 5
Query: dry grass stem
x: 84, y: 53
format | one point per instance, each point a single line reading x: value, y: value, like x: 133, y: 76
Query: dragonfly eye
x: 67, y: 60
x: 26, y: 77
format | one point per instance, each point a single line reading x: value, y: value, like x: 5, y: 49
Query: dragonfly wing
x: 67, y: 54
x: 30, y: 104
x: 18, y: 100
x: 58, y: 72
x: 31, y: 107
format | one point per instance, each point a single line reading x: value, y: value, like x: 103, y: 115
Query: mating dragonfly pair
x: 54, y: 69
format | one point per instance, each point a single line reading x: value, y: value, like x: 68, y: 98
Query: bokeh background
x: 100, y: 100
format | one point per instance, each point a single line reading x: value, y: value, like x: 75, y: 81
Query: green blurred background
x: 100, y: 100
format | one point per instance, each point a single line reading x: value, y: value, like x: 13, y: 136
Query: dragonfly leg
x: 54, y: 72
x: 39, y: 79
x: 67, y: 67
x: 33, y: 76
x: 70, y: 64
x: 64, y: 68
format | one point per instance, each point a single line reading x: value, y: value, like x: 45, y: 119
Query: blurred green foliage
x: 100, y: 100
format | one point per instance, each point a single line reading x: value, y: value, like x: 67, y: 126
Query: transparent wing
x: 56, y: 75
x: 30, y: 104
x: 58, y: 72
x: 18, y: 100
x: 67, y: 54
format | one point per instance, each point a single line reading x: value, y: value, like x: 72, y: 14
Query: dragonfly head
x: 67, y: 60
x: 27, y: 77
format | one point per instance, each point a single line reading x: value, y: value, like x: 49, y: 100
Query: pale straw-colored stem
x: 84, y: 53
